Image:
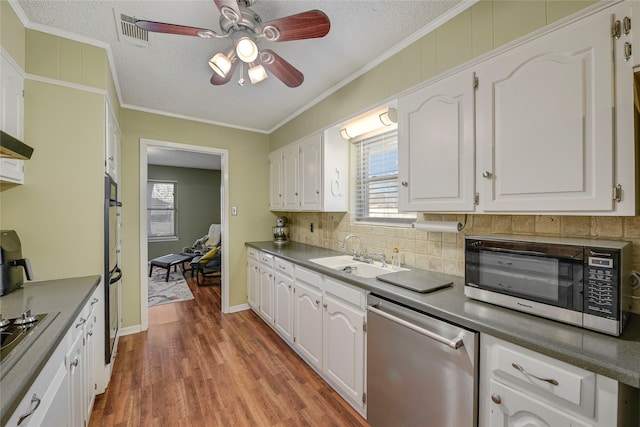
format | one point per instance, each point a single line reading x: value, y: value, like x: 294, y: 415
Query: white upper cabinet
x: 545, y: 123
x: 11, y: 117
x: 554, y: 127
x: 112, y: 144
x: 437, y: 143
x: 310, y: 175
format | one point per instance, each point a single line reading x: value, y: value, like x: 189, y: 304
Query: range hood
x: 14, y: 148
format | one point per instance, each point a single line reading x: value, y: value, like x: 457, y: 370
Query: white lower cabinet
x: 322, y: 319
x: 343, y: 330
x: 253, y: 278
x: 520, y: 387
x: 307, y: 321
x: 64, y: 392
x: 283, y: 299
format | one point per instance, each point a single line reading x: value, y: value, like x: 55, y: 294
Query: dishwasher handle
x: 454, y: 343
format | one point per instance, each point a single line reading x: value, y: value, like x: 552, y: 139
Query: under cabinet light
x: 369, y: 122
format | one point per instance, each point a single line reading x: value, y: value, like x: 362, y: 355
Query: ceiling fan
x: 245, y: 29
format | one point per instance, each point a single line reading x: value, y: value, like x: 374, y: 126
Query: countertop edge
x: 619, y: 372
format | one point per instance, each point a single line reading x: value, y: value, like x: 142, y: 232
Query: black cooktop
x: 17, y: 336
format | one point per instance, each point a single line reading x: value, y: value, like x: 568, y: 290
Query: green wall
x: 484, y: 26
x: 197, y: 203
x: 248, y: 190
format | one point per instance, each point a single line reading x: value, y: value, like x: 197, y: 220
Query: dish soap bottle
x: 395, y: 258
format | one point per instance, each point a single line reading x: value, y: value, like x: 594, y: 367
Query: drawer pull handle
x: 34, y: 400
x: 95, y: 300
x: 81, y: 322
x: 75, y: 362
x: 524, y: 372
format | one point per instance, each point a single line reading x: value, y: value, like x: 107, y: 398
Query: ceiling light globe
x: 220, y: 64
x: 257, y: 74
x: 246, y: 49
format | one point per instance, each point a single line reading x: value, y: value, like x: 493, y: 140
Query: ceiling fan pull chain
x: 241, y: 79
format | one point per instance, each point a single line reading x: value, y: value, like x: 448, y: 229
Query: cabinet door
x: 437, y: 147
x: 544, y: 123
x: 310, y: 176
x: 343, y: 345
x: 308, y: 323
x: 11, y: 117
x: 75, y: 365
x: 253, y: 281
x: 512, y: 408
x: 266, y: 294
x: 283, y: 310
x: 90, y: 358
x: 290, y: 158
x: 276, y: 196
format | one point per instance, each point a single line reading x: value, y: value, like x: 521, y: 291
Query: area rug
x: 162, y: 292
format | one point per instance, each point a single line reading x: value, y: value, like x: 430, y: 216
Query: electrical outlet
x: 311, y: 227
x: 234, y: 210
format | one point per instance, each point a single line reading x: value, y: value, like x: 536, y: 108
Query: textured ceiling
x: 171, y: 74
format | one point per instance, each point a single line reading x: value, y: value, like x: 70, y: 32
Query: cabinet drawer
x: 266, y: 259
x: 253, y: 254
x: 284, y: 267
x: 308, y: 276
x: 544, y: 375
x: 345, y: 292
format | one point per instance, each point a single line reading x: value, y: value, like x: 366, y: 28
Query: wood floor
x: 197, y: 367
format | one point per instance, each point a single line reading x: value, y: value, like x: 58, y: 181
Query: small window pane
x: 161, y: 209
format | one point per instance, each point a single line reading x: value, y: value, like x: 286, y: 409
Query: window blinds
x: 375, y: 167
x: 161, y: 209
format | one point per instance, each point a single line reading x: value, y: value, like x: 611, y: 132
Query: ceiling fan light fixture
x: 257, y: 73
x: 220, y: 64
x: 246, y: 50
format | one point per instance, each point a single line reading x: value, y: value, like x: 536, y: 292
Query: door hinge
x: 617, y: 193
x: 476, y: 199
x: 364, y: 398
x: 475, y: 81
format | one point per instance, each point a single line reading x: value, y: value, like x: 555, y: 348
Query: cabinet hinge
x: 626, y: 25
x: 294, y: 339
x: 476, y: 199
x: 616, y: 29
x: 617, y: 193
x: 364, y: 398
x: 475, y: 82
x: 364, y: 326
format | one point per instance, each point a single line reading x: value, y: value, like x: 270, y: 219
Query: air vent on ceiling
x: 129, y: 33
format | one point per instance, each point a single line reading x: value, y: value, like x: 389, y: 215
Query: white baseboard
x: 237, y: 308
x: 129, y: 330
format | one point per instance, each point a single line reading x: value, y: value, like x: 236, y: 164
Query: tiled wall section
x: 444, y: 251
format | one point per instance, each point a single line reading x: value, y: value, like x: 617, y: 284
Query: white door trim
x: 224, y: 202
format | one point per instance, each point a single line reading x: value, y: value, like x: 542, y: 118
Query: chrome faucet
x: 343, y: 244
x: 383, y: 259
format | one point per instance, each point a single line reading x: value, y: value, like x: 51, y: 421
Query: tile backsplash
x: 445, y: 251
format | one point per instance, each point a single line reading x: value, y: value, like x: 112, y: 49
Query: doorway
x: 187, y: 156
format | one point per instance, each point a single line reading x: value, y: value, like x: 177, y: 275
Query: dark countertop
x: 64, y: 296
x: 614, y: 357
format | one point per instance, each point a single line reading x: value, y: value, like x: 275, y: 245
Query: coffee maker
x: 281, y: 231
x: 12, y: 263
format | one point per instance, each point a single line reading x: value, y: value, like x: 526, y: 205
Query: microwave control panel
x: 601, y: 287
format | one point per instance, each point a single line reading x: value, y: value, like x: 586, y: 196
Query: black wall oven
x: 112, y: 271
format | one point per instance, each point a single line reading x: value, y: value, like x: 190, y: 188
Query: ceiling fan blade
x: 280, y: 68
x: 229, y: 9
x: 161, y: 27
x: 306, y: 25
x: 217, y: 80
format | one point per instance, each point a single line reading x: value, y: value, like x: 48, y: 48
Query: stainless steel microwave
x: 583, y: 282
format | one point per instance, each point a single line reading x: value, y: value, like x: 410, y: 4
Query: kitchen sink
x: 346, y: 264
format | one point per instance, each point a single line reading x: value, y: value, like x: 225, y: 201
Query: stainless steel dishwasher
x: 421, y: 371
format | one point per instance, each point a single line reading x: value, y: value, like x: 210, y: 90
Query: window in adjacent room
x: 375, y: 168
x: 161, y: 210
